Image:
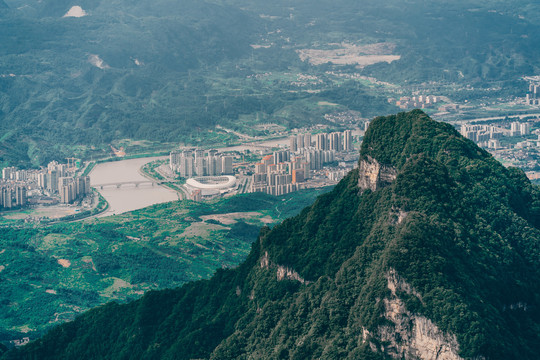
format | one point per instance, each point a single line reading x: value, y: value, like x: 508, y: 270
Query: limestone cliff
x: 412, y: 336
x: 374, y: 175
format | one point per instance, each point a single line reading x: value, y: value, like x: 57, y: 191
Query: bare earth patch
x: 117, y: 285
x: 230, y: 218
x: 88, y: 260
x: 267, y: 219
x: 350, y: 54
x: 24, y: 328
x: 65, y: 263
x: 326, y: 103
x: 52, y: 212
x: 201, y: 229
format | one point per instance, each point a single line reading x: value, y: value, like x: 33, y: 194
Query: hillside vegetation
x: 51, y: 274
x: 449, y: 249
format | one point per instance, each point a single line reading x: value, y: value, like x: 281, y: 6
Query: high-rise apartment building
x: 321, y: 141
x: 189, y: 163
x: 300, y: 141
x: 307, y: 140
x: 293, y: 144
x: 347, y: 140
x: 525, y: 128
x: 514, y: 129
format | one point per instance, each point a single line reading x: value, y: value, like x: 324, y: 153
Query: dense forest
x: 450, y: 239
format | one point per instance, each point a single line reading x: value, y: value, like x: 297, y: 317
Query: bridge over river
x: 132, y: 183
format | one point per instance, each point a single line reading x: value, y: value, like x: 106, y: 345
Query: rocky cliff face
x: 374, y: 175
x: 282, y: 272
x: 412, y: 336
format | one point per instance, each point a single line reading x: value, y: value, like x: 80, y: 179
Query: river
x: 128, y: 197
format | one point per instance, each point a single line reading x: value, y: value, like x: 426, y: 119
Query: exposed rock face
x: 397, y: 216
x: 283, y: 272
x: 265, y: 262
x: 289, y: 274
x: 374, y: 175
x: 413, y: 336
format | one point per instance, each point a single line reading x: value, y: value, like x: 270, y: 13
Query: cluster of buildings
x: 415, y: 102
x: 280, y: 174
x: 337, y: 141
x: 520, y: 129
x: 489, y: 135
x: 528, y: 144
x: 521, y: 148
x: 189, y: 163
x: 533, y: 95
x: 12, y: 196
x: 286, y: 171
x: 54, y: 181
x: 208, y: 172
x: 73, y: 188
x: 484, y: 135
x: 345, y: 117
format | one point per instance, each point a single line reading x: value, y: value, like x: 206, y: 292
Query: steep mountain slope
x: 429, y: 250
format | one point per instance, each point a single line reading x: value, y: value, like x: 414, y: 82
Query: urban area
x: 309, y: 160
x: 54, y: 184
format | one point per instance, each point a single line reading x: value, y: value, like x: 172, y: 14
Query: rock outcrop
x: 283, y: 272
x: 374, y: 175
x: 412, y: 336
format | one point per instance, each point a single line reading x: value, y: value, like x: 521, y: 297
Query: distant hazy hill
x: 471, y: 41
x: 430, y: 249
x: 121, y: 71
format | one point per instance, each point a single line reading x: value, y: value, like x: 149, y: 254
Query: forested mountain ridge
x: 429, y: 249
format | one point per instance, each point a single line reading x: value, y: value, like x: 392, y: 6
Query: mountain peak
x: 392, y: 139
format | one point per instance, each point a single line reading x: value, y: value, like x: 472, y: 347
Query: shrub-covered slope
x: 429, y: 249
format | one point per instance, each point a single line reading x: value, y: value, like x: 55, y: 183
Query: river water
x: 128, y: 197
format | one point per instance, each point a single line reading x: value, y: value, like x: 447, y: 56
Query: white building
x: 515, y: 129
x: 525, y: 128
